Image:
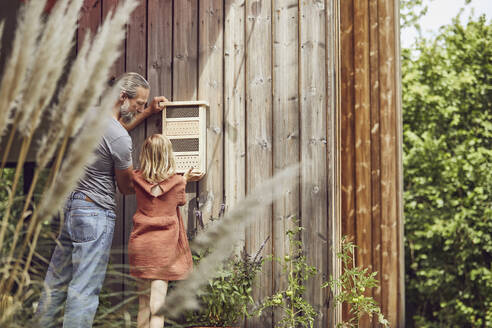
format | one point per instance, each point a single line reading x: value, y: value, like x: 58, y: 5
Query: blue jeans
x: 78, y: 265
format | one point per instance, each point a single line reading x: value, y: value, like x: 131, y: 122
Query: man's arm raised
x: 155, y: 107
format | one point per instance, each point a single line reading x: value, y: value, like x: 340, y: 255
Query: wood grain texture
x: 118, y: 68
x: 389, y: 212
x: 362, y: 141
x: 314, y: 150
x: 375, y: 148
x: 118, y: 249
x: 347, y: 122
x: 185, y: 78
x: 159, y: 56
x: 90, y: 18
x: 234, y: 106
x: 210, y: 88
x: 285, y: 127
x: 259, y: 134
x: 334, y: 223
x: 399, y: 168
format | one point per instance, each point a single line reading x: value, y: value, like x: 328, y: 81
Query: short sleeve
x: 121, y: 152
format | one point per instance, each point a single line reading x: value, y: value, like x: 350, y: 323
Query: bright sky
x: 441, y: 12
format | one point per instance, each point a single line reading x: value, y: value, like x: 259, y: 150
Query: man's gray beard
x: 125, y: 114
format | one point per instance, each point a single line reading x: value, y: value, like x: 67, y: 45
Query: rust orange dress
x: 158, y: 246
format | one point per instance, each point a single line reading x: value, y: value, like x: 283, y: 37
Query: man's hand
x: 157, y: 104
x: 191, y: 176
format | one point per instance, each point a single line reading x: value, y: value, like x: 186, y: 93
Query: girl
x: 158, y: 248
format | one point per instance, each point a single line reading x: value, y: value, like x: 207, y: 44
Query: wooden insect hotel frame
x: 185, y: 124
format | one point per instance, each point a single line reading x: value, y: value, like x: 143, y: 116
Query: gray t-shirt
x: 113, y: 152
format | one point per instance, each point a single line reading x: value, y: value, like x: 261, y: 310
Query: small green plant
x: 352, y: 284
x: 296, y: 311
x: 226, y: 298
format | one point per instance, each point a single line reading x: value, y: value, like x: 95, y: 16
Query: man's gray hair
x: 129, y: 82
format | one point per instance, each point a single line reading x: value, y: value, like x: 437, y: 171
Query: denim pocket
x: 84, y: 225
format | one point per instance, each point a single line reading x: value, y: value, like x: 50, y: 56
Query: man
x: 78, y: 264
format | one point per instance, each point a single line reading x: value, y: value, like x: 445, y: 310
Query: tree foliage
x: 447, y: 115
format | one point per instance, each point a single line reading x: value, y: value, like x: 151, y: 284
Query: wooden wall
x: 270, y: 71
x: 371, y: 146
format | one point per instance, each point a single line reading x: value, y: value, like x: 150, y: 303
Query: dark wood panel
x: 362, y: 140
x: 136, y: 61
x: 347, y: 122
x: 185, y: 78
x: 159, y: 56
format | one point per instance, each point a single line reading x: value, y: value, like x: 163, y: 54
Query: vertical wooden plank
x: 389, y: 214
x: 313, y: 150
x: 375, y: 148
x: 234, y: 105
x: 119, y: 66
x: 136, y: 57
x: 285, y: 126
x: 347, y: 121
x: 399, y: 168
x: 210, y: 88
x: 362, y: 140
x: 259, y: 133
x: 90, y: 18
x: 159, y: 56
x: 333, y: 150
x: 185, y: 76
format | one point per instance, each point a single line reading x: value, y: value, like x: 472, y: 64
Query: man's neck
x: 116, y: 112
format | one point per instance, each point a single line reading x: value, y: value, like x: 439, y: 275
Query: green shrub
x: 447, y: 117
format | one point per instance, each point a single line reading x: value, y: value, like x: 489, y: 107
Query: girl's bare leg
x: 158, y: 291
x: 143, y: 316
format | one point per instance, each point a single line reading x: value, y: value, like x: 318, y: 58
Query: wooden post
x: 333, y: 151
x: 362, y: 140
x: 375, y: 148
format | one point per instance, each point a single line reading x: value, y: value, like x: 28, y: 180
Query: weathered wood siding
x: 309, y: 81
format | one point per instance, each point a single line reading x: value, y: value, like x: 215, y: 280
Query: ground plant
x: 351, y: 286
x: 227, y: 298
x: 295, y: 310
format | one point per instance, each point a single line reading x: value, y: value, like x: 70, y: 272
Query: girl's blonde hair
x: 157, y: 159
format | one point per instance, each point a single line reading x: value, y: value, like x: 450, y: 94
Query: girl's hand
x: 191, y: 176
